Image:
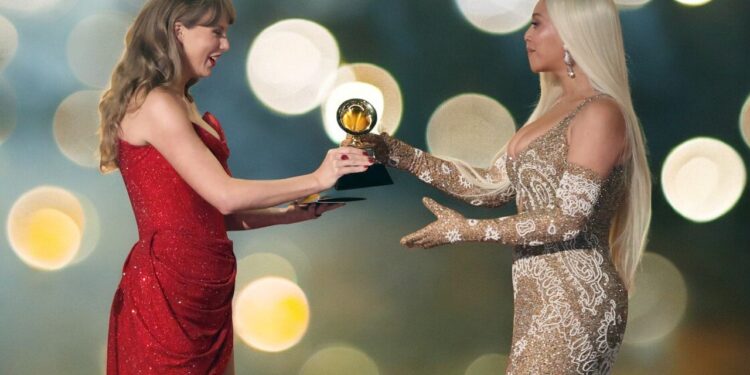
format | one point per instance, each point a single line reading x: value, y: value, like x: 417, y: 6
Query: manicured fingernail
x: 344, y: 157
x: 372, y: 160
x: 365, y: 153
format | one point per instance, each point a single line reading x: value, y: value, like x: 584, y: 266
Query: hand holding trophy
x: 358, y: 117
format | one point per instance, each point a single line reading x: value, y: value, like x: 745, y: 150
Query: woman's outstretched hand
x: 341, y: 161
x: 450, y: 227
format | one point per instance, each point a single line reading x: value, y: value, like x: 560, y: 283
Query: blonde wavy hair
x: 591, y: 31
x: 151, y: 59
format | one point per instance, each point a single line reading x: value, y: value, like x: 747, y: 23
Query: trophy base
x: 376, y: 175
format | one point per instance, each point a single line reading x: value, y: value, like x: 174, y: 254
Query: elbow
x: 225, y: 204
x: 225, y: 209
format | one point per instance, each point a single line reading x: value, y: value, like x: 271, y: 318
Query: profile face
x: 544, y: 47
x: 202, y: 46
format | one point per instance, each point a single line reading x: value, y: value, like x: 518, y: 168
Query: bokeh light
x: 8, y: 42
x: 7, y: 110
x: 631, y: 4
x: 75, y: 127
x: 497, y: 16
x: 291, y: 65
x: 339, y: 360
x: 488, y: 364
x: 470, y: 127
x: 45, y: 227
x: 658, y: 301
x: 744, y: 122
x: 91, y: 236
x: 271, y: 314
x: 389, y: 118
x: 703, y: 178
x: 342, y: 93
x: 693, y: 3
x: 259, y: 265
x: 95, y: 45
x: 35, y: 6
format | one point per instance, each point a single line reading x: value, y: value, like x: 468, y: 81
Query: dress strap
x: 583, y: 104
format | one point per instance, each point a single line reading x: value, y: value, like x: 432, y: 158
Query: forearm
x: 254, y: 219
x: 575, y: 202
x: 446, y: 176
x: 243, y: 195
x: 527, y: 228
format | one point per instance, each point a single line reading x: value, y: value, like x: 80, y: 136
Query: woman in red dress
x: 171, y: 313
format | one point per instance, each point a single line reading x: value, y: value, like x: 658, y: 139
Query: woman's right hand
x: 377, y: 142
x: 341, y: 161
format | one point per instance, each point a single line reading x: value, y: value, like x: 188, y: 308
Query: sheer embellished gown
x: 570, y: 305
x: 172, y: 311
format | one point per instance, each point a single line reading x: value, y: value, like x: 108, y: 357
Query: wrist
x: 316, y: 182
x: 400, y: 154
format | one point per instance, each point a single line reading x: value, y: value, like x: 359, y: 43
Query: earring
x: 568, y: 60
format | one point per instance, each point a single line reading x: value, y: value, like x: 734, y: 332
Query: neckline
x: 195, y: 126
x: 549, y: 131
x: 206, y: 132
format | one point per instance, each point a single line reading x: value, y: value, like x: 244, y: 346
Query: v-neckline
x: 217, y: 137
x: 568, y: 116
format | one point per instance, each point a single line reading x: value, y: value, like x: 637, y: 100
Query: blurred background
x: 340, y: 295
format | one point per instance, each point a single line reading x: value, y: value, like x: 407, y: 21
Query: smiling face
x: 202, y: 45
x: 543, y: 44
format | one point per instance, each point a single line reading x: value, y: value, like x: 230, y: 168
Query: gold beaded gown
x: 570, y: 304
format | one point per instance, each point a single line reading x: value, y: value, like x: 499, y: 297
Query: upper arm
x: 596, y: 137
x: 170, y: 131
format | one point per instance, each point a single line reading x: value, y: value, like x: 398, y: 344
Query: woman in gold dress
x: 579, y: 176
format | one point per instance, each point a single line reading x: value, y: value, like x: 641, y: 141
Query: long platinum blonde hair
x: 591, y: 31
x: 151, y: 59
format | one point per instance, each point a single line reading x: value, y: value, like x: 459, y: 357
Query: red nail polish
x: 344, y: 157
x: 372, y: 160
x: 365, y: 153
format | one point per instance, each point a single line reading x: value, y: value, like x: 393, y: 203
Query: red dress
x: 172, y: 312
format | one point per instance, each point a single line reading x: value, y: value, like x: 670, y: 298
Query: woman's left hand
x: 449, y: 227
x: 296, y: 213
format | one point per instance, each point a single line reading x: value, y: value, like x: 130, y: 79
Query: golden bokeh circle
x: 45, y: 227
x: 271, y: 314
x: 470, y: 127
x: 365, y: 75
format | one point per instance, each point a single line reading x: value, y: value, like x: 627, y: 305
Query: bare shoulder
x: 164, y: 112
x: 602, y: 118
x: 597, y: 137
x: 162, y: 103
x: 150, y: 114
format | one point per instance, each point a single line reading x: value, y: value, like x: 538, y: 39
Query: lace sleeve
x: 575, y: 199
x: 446, y: 176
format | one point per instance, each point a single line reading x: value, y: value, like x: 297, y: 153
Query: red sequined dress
x: 172, y: 312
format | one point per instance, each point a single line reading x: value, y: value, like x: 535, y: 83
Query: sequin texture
x: 570, y: 305
x: 172, y: 311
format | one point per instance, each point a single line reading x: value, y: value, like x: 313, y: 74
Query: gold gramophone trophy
x: 358, y: 117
